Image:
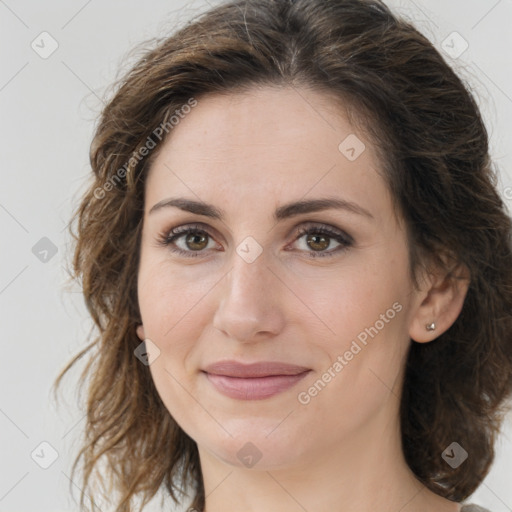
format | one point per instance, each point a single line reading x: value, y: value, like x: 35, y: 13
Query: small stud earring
x: 431, y: 327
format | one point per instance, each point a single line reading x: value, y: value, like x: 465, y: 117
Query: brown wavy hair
x: 434, y: 148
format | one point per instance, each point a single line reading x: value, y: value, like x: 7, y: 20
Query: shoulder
x: 473, y: 508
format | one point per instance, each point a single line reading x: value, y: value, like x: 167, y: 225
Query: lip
x: 260, y: 369
x: 254, y: 381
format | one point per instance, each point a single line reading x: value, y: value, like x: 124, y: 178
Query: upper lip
x: 260, y: 369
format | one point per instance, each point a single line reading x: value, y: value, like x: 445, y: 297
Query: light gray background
x: 48, y: 108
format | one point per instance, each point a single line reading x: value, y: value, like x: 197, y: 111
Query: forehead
x: 270, y: 142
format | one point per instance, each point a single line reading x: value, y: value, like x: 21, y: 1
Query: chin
x: 252, y: 447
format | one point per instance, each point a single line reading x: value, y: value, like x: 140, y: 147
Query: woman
x: 299, y: 267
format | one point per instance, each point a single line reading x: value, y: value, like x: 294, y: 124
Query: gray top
x: 473, y: 508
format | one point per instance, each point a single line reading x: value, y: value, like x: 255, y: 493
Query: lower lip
x: 256, y: 388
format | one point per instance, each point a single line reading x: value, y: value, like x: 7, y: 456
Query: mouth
x: 255, y: 381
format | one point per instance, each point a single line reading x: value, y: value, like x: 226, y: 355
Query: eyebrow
x: 283, y: 212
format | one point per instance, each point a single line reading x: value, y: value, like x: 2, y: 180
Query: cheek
x: 366, y: 332
x: 172, y: 309
x: 173, y: 314
x: 363, y: 311
x: 366, y: 356
x: 347, y: 301
x: 171, y: 300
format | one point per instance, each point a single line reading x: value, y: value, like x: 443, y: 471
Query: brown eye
x: 318, y: 242
x: 317, y: 239
x: 187, y: 241
x: 196, y: 241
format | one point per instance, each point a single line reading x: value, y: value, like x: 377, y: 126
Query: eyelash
x: 168, y: 238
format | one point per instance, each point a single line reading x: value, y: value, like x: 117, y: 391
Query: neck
x: 367, y: 472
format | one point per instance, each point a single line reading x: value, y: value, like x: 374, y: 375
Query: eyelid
x: 184, y: 229
x: 296, y: 229
x: 344, y: 239
x: 323, y: 226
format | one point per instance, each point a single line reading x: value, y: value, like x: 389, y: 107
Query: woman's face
x: 261, y: 280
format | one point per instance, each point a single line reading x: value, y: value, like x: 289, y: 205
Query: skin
x: 248, y: 154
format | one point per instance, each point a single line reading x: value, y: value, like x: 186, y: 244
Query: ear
x: 440, y: 301
x: 140, y: 332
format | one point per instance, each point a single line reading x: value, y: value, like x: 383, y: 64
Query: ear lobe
x: 140, y: 332
x: 441, y: 305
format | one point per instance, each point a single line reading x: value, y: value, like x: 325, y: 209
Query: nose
x: 250, y: 306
